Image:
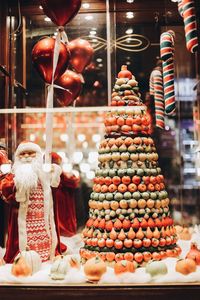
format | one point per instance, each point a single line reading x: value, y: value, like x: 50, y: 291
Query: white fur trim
x: 55, y: 175
x: 23, y: 206
x: 29, y: 146
x: 53, y: 230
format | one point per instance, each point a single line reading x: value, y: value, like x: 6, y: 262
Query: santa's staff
x: 187, y: 11
x: 156, y: 90
x: 167, y: 56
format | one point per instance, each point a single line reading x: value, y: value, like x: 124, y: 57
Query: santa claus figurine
x: 65, y: 200
x: 28, y: 191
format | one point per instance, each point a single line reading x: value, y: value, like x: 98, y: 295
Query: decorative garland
x: 167, y: 56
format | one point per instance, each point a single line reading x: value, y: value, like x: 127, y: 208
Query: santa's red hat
x: 56, y: 158
x: 3, y: 157
x: 28, y: 146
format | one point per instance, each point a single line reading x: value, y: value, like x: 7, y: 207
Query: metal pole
x: 108, y: 35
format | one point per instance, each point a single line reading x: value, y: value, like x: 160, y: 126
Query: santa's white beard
x: 26, y: 171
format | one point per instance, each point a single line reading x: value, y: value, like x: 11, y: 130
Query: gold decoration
x: 130, y: 42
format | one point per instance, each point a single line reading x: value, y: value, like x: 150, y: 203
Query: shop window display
x: 150, y: 234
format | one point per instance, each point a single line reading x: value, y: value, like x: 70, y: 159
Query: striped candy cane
x: 187, y: 11
x: 180, y: 7
x: 156, y: 90
x: 167, y: 56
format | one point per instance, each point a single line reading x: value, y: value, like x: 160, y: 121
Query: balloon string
x: 49, y: 116
x: 64, y: 37
x: 59, y: 87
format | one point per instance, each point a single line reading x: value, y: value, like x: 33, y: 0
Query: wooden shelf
x: 101, y: 292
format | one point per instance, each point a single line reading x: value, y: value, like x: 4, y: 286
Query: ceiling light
x: 88, y: 17
x: 67, y: 167
x: 47, y: 19
x: 96, y: 138
x: 81, y: 137
x: 77, y: 157
x: 85, y: 5
x: 129, y: 15
x: 129, y: 31
x: 93, y: 32
x: 90, y: 175
x: 64, y: 137
x: 99, y: 59
x: 129, y: 1
x: 128, y: 40
x: 40, y: 7
x: 93, y: 157
x: 84, y: 167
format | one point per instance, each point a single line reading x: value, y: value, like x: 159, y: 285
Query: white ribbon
x: 49, y: 104
x: 64, y: 37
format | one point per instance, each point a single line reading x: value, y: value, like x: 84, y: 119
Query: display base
x: 101, y: 292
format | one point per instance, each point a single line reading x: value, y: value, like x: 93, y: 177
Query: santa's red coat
x: 65, y: 204
x: 7, y: 189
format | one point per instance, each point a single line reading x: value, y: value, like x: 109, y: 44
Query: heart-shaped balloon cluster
x: 76, y: 54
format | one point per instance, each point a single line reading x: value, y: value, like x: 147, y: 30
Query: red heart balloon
x: 70, y: 81
x: 60, y: 11
x: 81, y: 54
x: 42, y: 58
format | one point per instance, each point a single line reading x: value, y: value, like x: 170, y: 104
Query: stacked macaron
x: 129, y: 216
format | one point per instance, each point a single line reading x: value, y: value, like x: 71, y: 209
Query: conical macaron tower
x: 129, y: 217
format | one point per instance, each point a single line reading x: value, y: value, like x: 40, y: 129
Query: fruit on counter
x: 124, y: 266
x: 94, y: 268
x: 194, y: 253
x: 74, y: 262
x: 20, y: 268
x: 185, y: 266
x: 156, y: 268
x: 59, y: 268
x: 32, y: 260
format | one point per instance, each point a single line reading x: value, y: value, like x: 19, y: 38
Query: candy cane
x: 187, y: 11
x: 167, y: 56
x: 156, y: 90
x: 180, y: 7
